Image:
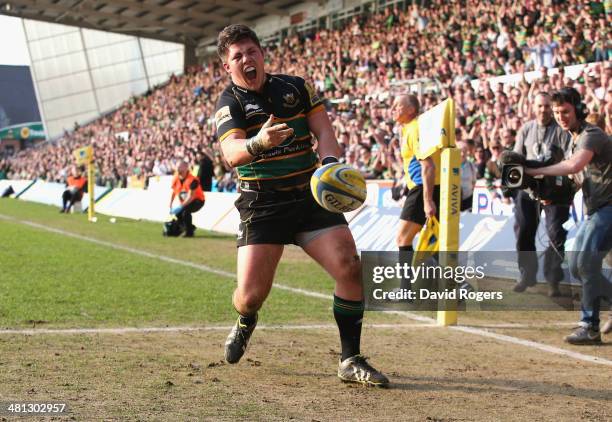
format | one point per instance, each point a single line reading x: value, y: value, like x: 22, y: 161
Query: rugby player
x: 264, y: 124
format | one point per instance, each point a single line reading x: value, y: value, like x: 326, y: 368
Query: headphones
x: 574, y: 99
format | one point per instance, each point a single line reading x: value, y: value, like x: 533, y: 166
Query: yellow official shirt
x: 409, y: 146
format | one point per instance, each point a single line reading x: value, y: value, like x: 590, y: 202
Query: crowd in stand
x: 358, y: 68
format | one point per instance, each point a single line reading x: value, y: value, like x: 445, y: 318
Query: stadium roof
x: 188, y: 22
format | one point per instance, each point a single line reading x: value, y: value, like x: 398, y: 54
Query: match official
x: 534, y: 140
x: 264, y: 124
x: 422, y: 179
x: 591, y: 161
x: 187, y: 188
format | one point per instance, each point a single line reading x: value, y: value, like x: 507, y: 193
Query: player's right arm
x: 231, y: 126
x: 239, y: 150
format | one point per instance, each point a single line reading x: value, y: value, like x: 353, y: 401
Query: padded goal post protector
x: 436, y: 129
x: 437, y: 133
x: 450, y: 211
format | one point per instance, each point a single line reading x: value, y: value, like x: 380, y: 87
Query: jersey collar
x: 248, y: 91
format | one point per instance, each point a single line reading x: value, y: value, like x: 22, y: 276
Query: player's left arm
x: 576, y: 163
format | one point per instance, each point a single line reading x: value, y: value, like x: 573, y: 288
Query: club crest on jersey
x: 290, y: 100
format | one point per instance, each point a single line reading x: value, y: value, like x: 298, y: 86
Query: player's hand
x: 430, y: 208
x: 545, y: 202
x: 272, y: 135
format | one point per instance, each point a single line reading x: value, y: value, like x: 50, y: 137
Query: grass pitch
x: 49, y: 280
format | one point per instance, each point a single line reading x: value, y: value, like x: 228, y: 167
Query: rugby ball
x: 338, y: 187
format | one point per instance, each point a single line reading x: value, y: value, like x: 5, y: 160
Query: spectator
x: 469, y: 175
x: 493, y: 171
x: 205, y: 169
x: 356, y: 65
x: 480, y: 161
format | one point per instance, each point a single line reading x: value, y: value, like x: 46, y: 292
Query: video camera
x: 558, y: 189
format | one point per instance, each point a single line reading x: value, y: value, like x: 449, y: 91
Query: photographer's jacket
x: 291, y: 100
x: 597, y: 184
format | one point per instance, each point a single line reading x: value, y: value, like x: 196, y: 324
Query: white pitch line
x: 410, y: 315
x: 533, y: 344
x: 143, y: 330
x: 512, y: 325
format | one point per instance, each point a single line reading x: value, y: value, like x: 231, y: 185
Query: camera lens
x: 514, y: 176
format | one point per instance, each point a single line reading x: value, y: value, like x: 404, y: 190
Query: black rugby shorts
x: 277, y: 217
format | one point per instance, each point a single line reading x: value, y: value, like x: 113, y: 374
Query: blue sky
x: 13, y: 49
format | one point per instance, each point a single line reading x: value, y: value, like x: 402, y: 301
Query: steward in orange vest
x: 189, y: 191
x: 76, y: 185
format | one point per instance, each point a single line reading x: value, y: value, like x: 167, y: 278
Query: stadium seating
x: 356, y: 67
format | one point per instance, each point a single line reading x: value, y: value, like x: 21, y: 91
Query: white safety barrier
x: 153, y: 204
x: 483, y: 203
x: 50, y: 193
x: 17, y: 185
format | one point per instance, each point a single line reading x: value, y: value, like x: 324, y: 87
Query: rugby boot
x: 357, y: 369
x: 237, y: 341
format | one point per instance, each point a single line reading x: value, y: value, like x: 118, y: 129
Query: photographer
x: 591, y: 161
x: 534, y: 140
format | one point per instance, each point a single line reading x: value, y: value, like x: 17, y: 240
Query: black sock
x: 349, y: 316
x: 248, y: 319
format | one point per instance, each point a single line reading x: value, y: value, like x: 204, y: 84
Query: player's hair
x: 232, y: 34
x: 571, y: 96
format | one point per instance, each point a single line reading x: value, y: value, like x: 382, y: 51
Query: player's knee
x: 247, y: 302
x: 350, y: 269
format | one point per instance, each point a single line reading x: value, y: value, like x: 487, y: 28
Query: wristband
x: 255, y: 145
x: 329, y: 159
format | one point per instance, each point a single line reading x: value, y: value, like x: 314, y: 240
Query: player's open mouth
x: 250, y: 73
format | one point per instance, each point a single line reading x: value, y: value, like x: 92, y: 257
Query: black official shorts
x: 278, y: 217
x: 413, y: 206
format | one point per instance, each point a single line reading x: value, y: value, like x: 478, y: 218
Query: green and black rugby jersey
x: 291, y: 100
